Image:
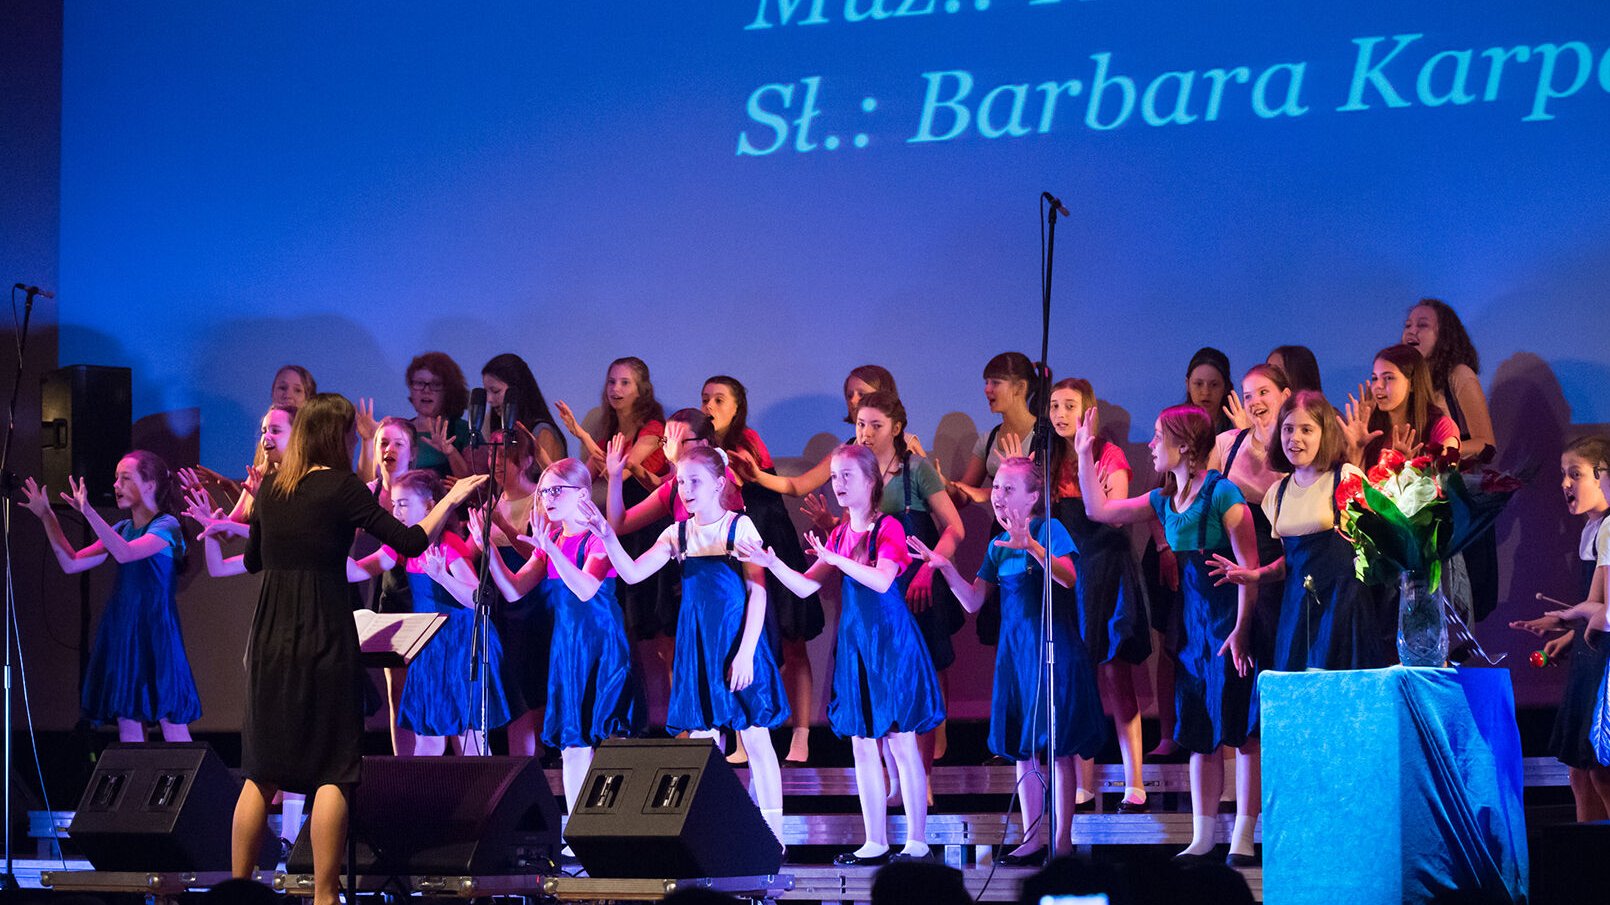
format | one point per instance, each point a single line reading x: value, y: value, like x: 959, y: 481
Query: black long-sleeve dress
x: 304, y: 682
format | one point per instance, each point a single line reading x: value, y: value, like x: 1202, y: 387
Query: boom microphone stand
x: 1053, y: 810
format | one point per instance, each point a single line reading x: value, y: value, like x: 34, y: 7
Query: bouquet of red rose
x: 1409, y: 515
x: 1404, y: 518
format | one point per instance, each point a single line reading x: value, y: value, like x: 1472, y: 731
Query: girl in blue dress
x: 138, y: 672
x: 441, y: 698
x: 1326, y: 617
x: 1015, y: 563
x: 884, y: 684
x: 1214, y: 691
x: 592, y: 692
x: 723, y: 675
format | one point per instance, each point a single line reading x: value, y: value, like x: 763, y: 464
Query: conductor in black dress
x: 303, y: 728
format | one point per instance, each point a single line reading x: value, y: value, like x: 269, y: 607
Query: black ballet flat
x: 1035, y: 858
x: 931, y: 857
x: 1135, y: 807
x: 1087, y: 806
x: 1241, y: 861
x: 851, y: 859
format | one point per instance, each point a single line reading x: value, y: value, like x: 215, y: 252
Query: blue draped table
x: 1390, y: 786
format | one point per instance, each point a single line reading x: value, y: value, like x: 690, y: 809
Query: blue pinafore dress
x: 709, y: 629
x: 442, y: 696
x: 1215, y: 705
x: 1111, y: 592
x: 137, y: 667
x: 1569, y: 741
x: 883, y: 675
x: 944, y: 617
x: 1017, y: 727
x: 1327, y: 616
x: 592, y: 693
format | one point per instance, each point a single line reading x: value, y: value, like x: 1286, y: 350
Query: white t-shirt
x: 711, y: 539
x: 1305, y: 510
x: 1604, y: 543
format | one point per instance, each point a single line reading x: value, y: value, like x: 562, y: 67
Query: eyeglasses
x: 423, y: 385
x: 552, y: 493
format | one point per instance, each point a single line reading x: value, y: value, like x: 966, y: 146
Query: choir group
x: 678, y: 593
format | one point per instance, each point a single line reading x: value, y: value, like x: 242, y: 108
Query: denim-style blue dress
x: 592, y: 693
x: 709, y: 629
x: 137, y: 667
x: 883, y: 674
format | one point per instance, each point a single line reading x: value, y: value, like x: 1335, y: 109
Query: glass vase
x: 1422, y: 626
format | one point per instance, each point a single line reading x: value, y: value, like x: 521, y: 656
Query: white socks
x: 1202, y: 832
x: 1134, y: 795
x: 1241, y: 836
x: 870, y: 850
x: 915, y: 848
x: 1080, y: 796
x: 291, y: 817
x: 774, y: 819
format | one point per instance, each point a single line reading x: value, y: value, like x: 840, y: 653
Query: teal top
x: 1185, y: 530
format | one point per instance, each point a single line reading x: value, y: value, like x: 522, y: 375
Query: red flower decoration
x: 1392, y: 459
x: 1447, y: 456
x: 1420, y: 463
x: 1351, y: 489
x: 1380, y: 474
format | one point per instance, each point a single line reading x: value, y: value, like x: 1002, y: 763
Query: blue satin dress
x: 883, y: 675
x: 442, y: 696
x: 592, y: 693
x: 709, y: 629
x: 137, y: 667
x: 1017, y: 727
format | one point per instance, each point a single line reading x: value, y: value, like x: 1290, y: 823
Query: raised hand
x: 254, y: 480
x: 541, y: 527
x: 743, y: 464
x: 568, y: 418
x: 1017, y: 532
x: 435, y: 562
x: 1084, y: 439
x: 1010, y: 446
x: 1236, y: 412
x: 462, y: 488
x: 79, y: 498
x: 35, y: 498
x: 1356, y: 422
x: 1404, y: 440
x: 198, y: 505
x: 615, y: 456
x: 922, y: 551
x: 1228, y: 571
x: 814, y: 507
x: 754, y: 552
x: 818, y: 548
x: 676, y: 434
x: 914, y: 446
x: 366, y: 424
x: 589, y: 517
x: 437, y: 437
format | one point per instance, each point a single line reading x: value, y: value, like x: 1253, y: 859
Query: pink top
x: 656, y: 463
x: 1109, y: 461
x: 846, y: 541
x: 756, y: 447
x: 452, y: 545
x: 568, y: 546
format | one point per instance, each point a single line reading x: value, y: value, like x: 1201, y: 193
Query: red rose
x: 1351, y: 489
x: 1420, y: 463
x: 1391, y: 458
x: 1380, y: 474
x: 1447, y: 456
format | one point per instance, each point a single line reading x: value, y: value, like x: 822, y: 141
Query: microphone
x: 477, y: 415
x: 510, y: 415
x: 1056, y: 203
x: 33, y: 290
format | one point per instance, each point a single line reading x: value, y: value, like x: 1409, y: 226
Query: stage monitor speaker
x: 455, y: 816
x: 157, y: 807
x: 668, y: 808
x: 1566, y: 868
x: 87, y: 421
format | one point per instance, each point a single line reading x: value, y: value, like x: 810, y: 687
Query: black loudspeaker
x: 1567, y: 863
x: 157, y: 807
x: 455, y: 816
x: 87, y: 421
x: 668, y: 808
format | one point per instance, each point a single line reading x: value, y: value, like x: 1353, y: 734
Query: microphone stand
x: 481, y: 634
x: 1053, y: 809
x: 8, y: 486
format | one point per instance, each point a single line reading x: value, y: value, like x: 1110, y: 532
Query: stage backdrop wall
x: 783, y: 189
